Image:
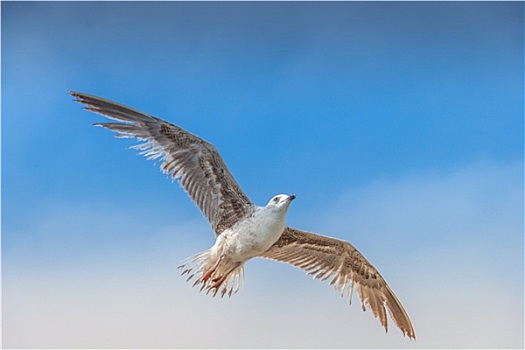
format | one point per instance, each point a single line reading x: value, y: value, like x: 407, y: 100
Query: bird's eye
x: 276, y: 199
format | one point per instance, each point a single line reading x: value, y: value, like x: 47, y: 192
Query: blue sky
x: 399, y: 126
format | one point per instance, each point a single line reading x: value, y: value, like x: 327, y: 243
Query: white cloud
x: 450, y: 245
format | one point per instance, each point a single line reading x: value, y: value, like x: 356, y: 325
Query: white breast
x: 254, y: 235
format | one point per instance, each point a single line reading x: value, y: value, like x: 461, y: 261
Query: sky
x: 398, y: 125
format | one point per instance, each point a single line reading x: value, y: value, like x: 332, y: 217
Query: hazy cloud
x: 428, y: 234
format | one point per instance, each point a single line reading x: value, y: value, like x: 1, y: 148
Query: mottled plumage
x: 339, y: 262
x: 195, y: 162
x: 244, y: 230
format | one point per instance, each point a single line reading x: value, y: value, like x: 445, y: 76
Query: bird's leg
x: 212, y: 269
x: 217, y: 281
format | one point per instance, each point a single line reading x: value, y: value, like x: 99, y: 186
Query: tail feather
x: 213, y: 274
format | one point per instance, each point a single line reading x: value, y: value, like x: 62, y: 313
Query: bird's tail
x: 214, y: 273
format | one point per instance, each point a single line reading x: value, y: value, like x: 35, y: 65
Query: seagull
x: 242, y: 229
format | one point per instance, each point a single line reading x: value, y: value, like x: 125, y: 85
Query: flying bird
x: 244, y: 230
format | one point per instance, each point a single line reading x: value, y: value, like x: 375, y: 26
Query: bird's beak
x: 291, y: 197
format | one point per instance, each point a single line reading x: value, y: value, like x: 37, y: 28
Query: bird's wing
x: 194, y: 162
x: 325, y: 257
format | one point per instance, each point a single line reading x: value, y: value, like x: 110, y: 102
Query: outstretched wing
x: 194, y: 162
x: 325, y: 258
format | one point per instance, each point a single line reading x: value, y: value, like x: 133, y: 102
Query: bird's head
x: 281, y: 201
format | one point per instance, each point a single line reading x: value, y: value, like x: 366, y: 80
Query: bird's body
x: 243, y: 230
x: 222, y: 265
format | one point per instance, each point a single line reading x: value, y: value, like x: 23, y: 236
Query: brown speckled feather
x: 194, y: 162
x: 325, y: 258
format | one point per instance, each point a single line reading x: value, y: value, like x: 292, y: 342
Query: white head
x: 281, y: 201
